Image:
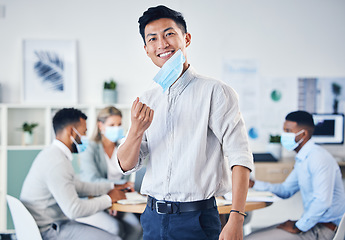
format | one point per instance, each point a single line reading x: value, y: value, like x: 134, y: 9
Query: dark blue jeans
x: 197, y: 225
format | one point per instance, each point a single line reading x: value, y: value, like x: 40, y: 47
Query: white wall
x: 288, y: 38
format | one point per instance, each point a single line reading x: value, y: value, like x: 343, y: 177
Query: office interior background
x: 279, y: 41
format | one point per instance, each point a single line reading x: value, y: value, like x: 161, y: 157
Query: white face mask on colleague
x: 288, y: 140
x: 114, y: 133
x: 81, y: 147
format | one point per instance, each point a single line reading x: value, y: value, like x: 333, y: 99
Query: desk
x: 277, y: 172
x: 273, y: 172
x: 139, y: 208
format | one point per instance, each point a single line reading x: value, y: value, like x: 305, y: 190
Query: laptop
x: 264, y: 157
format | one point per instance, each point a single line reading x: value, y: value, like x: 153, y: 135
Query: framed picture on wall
x: 50, y: 71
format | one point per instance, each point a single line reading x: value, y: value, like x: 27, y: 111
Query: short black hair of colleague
x: 302, y: 118
x: 67, y: 116
x: 155, y: 13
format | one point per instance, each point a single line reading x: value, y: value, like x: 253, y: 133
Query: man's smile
x: 166, y: 55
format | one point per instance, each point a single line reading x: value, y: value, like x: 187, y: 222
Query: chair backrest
x: 24, y: 224
x: 340, y: 234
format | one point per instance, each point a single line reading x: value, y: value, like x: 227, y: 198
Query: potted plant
x: 27, y: 129
x: 109, y: 91
x: 274, y: 147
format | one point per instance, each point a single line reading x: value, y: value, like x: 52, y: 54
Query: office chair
x: 340, y: 234
x: 24, y: 224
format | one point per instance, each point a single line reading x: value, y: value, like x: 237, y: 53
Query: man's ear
x: 188, y: 39
x: 309, y: 132
x: 145, y: 47
x: 70, y: 131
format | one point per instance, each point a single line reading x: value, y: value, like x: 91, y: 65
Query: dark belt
x: 330, y: 225
x: 167, y: 207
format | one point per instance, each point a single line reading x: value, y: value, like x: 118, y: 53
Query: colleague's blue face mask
x: 114, y: 133
x: 287, y: 139
x: 81, y: 147
x: 170, y: 71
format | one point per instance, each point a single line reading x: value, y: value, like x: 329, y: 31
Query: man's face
x: 163, y: 38
x: 292, y: 127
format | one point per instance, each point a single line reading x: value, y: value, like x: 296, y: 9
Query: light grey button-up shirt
x: 317, y: 175
x: 51, y: 192
x: 196, y: 124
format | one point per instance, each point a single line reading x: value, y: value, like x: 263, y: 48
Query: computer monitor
x: 329, y: 128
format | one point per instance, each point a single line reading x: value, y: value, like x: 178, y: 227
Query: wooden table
x: 139, y: 208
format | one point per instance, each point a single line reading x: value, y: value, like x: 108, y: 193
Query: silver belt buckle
x: 157, y: 206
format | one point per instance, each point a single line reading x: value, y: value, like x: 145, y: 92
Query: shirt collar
x: 63, y: 148
x: 304, y: 152
x: 182, y: 82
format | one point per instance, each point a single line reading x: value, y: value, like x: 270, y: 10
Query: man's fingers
x: 151, y: 115
x: 135, y: 103
x: 137, y: 109
x: 147, y: 114
x: 122, y: 195
x: 143, y: 112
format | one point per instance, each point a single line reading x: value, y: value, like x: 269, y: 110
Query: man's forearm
x: 240, y: 182
x: 128, y: 152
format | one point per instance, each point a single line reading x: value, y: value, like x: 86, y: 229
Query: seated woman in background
x: 98, y: 163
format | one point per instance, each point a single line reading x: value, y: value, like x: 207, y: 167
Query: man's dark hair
x: 155, y: 13
x: 302, y: 118
x: 65, y: 117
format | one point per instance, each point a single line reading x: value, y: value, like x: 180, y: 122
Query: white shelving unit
x: 12, y: 116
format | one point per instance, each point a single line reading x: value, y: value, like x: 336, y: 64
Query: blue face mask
x: 287, y: 139
x: 81, y: 147
x: 170, y: 71
x: 114, y: 133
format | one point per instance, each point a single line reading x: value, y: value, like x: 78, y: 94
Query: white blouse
x: 114, y: 171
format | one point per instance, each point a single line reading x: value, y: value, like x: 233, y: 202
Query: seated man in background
x: 51, y: 192
x: 317, y: 175
x: 98, y: 163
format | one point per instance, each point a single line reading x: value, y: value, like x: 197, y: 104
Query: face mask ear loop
x: 299, y: 132
x: 75, y: 130
x: 300, y: 141
x: 74, y: 141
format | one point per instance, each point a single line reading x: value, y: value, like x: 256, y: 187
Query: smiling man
x: 185, y: 132
x: 163, y: 38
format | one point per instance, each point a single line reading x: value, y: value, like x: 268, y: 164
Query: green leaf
x: 110, y: 85
x: 274, y: 138
x: 28, y: 127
